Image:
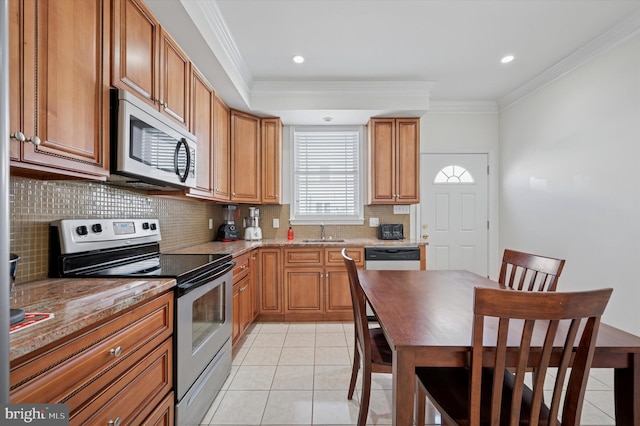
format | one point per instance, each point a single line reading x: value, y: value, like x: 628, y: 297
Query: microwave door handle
x: 183, y: 178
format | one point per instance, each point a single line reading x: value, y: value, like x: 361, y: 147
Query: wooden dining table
x: 427, y: 316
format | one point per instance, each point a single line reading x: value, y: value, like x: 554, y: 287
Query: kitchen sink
x: 325, y: 240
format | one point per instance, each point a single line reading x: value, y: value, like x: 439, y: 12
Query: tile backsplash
x: 34, y: 204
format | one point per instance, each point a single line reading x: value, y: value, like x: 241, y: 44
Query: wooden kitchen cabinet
x: 270, y: 292
x: 255, y: 300
x: 202, y: 126
x: 120, y: 368
x: 338, y: 293
x: 147, y: 62
x: 245, y: 158
x: 316, y: 283
x: 394, y: 160
x: 221, y: 150
x: 271, y: 160
x: 242, y: 296
x: 59, y: 88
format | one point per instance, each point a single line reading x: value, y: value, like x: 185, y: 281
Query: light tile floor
x: 298, y: 374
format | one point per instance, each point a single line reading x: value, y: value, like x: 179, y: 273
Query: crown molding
x: 606, y: 42
x: 208, y: 19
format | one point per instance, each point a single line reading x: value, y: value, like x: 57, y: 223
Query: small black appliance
x: 391, y: 231
x: 228, y: 230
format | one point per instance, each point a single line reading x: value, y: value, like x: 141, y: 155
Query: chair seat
x: 380, y: 350
x: 448, y: 389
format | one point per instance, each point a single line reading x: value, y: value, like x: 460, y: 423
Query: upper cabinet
x: 202, y: 126
x: 59, y: 87
x: 271, y: 160
x: 221, y: 150
x: 245, y: 158
x: 147, y: 62
x: 394, y: 160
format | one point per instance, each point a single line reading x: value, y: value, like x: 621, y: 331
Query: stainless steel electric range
x: 202, y: 326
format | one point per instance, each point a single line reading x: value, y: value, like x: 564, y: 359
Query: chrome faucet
x: 322, y: 231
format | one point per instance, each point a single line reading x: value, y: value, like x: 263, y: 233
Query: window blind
x: 326, y: 174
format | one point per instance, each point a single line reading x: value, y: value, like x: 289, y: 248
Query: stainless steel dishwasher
x: 390, y: 258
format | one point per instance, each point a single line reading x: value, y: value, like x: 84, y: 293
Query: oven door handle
x: 183, y: 178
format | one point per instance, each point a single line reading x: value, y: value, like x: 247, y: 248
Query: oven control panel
x: 78, y: 235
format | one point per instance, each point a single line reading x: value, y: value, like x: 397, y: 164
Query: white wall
x: 467, y: 133
x: 570, y: 183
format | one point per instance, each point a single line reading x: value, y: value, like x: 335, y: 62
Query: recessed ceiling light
x: 298, y: 59
x: 507, y: 59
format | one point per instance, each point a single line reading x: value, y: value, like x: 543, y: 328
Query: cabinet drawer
x: 241, y: 268
x: 74, y: 371
x: 333, y: 256
x: 303, y: 257
x: 135, y: 395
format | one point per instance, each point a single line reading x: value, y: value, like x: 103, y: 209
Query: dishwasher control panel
x: 391, y: 253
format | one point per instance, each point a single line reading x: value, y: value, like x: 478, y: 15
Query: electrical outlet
x: 374, y: 221
x: 400, y: 209
x: 276, y: 222
x: 210, y: 223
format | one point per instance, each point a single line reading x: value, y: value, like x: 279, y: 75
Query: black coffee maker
x: 228, y: 230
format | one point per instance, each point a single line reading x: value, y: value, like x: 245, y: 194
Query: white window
x: 453, y: 174
x: 326, y: 175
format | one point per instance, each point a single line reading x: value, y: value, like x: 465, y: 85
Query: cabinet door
x: 235, y: 317
x: 245, y: 158
x: 270, y: 281
x: 202, y: 98
x: 221, y: 150
x: 175, y: 69
x: 246, y: 299
x: 382, y: 161
x: 271, y: 160
x: 338, y: 296
x: 303, y: 290
x: 64, y: 87
x: 136, y: 35
x: 15, y: 76
x: 253, y: 273
x: 408, y: 160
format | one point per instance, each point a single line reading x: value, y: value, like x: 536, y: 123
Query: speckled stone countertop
x: 76, y: 303
x: 237, y: 248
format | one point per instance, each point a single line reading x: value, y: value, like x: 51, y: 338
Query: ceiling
x: 368, y: 58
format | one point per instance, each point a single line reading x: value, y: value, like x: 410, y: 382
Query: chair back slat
x: 523, y: 317
x: 530, y: 272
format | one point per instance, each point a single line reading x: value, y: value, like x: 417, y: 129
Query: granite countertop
x: 237, y: 248
x: 76, y: 303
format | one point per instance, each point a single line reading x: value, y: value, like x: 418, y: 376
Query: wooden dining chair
x: 530, y: 272
x: 370, y: 345
x: 506, y: 320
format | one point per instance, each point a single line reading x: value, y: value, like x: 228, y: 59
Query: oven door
x: 203, y: 326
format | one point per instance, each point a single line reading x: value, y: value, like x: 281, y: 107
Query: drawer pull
x: 115, y: 422
x: 116, y: 352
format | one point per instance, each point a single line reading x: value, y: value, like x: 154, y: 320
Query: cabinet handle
x: 115, y: 422
x: 19, y: 136
x: 115, y: 352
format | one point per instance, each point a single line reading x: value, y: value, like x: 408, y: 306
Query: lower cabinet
x: 243, y: 295
x: 119, y: 371
x: 316, y: 284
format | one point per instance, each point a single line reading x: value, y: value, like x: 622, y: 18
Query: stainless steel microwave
x: 148, y: 149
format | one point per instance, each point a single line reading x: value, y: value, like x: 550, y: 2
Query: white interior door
x: 454, y: 211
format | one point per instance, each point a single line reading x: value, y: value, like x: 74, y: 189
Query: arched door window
x: 453, y: 174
